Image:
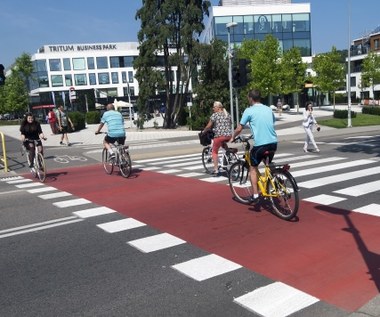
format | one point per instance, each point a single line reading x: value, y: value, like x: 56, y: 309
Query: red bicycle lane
x: 330, y: 253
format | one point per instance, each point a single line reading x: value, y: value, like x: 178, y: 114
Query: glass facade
x: 291, y: 30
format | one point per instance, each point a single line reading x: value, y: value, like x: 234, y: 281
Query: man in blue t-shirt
x: 261, y: 121
x: 115, y: 126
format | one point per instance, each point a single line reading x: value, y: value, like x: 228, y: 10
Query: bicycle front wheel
x: 40, y: 167
x: 107, y: 163
x: 207, y: 159
x: 231, y: 158
x: 285, y: 199
x: 239, y: 181
x: 125, y: 164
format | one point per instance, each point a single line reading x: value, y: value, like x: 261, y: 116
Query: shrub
x: 78, y: 119
x: 343, y: 114
x: 371, y: 110
x: 93, y: 117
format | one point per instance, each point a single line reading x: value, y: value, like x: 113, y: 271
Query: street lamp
x: 349, y: 124
x: 230, y: 25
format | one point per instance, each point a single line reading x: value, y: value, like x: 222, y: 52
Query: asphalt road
x: 90, y: 244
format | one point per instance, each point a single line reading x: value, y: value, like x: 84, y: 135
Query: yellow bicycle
x: 276, y: 184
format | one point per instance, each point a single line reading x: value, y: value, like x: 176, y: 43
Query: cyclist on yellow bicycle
x: 115, y: 126
x: 261, y: 121
x: 31, y: 131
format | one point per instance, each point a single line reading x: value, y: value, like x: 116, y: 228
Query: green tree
x: 169, y: 27
x: 293, y: 73
x: 265, y: 56
x: 330, y: 72
x: 213, y: 82
x: 15, y: 94
x: 371, y: 71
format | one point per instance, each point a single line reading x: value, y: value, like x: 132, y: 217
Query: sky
x: 25, y: 26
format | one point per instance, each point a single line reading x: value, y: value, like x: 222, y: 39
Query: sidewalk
x: 288, y: 126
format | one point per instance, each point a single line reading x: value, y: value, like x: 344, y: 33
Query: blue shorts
x: 257, y: 153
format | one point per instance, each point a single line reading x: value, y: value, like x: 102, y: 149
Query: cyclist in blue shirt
x: 261, y: 121
x: 115, y: 126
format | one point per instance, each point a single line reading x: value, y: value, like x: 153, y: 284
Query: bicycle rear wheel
x: 125, y: 164
x: 239, y: 181
x: 286, y: 204
x: 107, y: 163
x: 40, y: 167
x: 207, y: 159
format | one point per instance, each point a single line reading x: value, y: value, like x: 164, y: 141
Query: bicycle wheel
x: 286, y: 204
x: 125, y: 164
x: 207, y: 159
x: 107, y: 163
x: 230, y: 158
x: 239, y: 181
x: 40, y: 167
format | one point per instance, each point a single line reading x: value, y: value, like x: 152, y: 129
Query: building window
x: 376, y: 44
x: 115, y: 61
x: 220, y: 25
x: 103, y: 78
x: 92, y: 79
x: 55, y: 65
x: 79, y: 63
x: 276, y: 24
x: 80, y: 79
x: 124, y: 77
x: 101, y: 62
x: 353, y: 81
x: 131, y: 91
x: 40, y: 65
x: 115, y: 77
x: 43, y: 81
x: 262, y: 23
x: 66, y: 64
x: 287, y: 23
x: 301, y: 22
x: 130, y: 76
x: 90, y: 63
x: 56, y: 80
x: 68, y: 80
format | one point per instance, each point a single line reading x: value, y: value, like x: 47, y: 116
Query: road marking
x: 167, y: 158
x: 206, y: 267
x: 317, y: 161
x: 41, y: 189
x: 19, y: 181
x: 276, y: 299
x: 156, y: 242
x: 93, y: 212
x: 371, y: 209
x: 54, y: 195
x: 33, y: 184
x: 71, y: 202
x: 11, y: 192
x: 121, y: 225
x: 362, y: 189
x: 317, y: 182
x: 329, y: 168
x: 170, y: 171
x: 38, y: 226
x: 193, y: 174
x: 324, y: 199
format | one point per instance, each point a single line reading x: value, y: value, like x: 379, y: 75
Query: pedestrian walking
x: 279, y: 106
x: 52, y: 120
x: 63, y: 122
x: 309, y: 123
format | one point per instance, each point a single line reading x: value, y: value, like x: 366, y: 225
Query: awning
x: 43, y: 107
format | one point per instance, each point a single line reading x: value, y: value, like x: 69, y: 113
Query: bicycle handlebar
x: 239, y: 138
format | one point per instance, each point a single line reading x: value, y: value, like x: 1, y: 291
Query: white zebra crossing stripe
x: 317, y: 161
x: 54, y: 195
x: 276, y: 299
x: 359, y: 190
x: 41, y: 189
x: 206, y: 267
x: 93, y: 212
x: 170, y: 171
x: 29, y: 185
x: 339, y: 177
x: 71, y: 203
x: 324, y: 199
x: 19, y: 181
x: 193, y: 174
x: 371, y: 209
x: 329, y: 168
x: 156, y: 242
x: 121, y: 225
